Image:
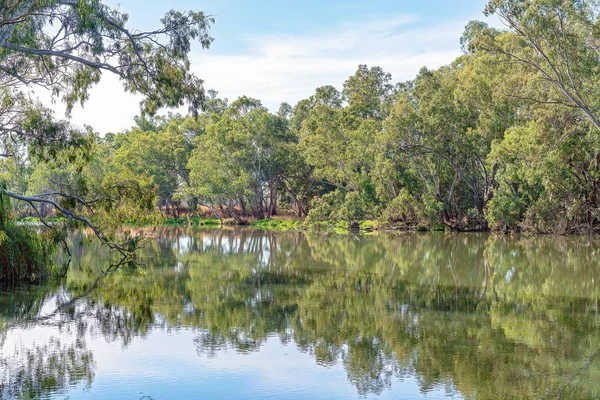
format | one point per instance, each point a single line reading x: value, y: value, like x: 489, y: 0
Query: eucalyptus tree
x: 239, y: 164
x: 66, y: 46
x: 160, y: 155
x: 438, y: 138
x: 369, y: 92
x: 548, y: 171
x: 558, y: 42
x: 338, y: 140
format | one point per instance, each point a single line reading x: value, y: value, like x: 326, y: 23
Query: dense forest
x: 506, y: 137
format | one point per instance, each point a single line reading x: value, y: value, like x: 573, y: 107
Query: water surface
x: 247, y: 314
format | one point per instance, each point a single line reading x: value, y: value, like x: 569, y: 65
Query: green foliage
x: 506, y: 137
x: 241, y: 160
x: 158, y: 156
x: 403, y: 210
x: 98, y: 33
x: 192, y: 222
x: 465, y: 146
x: 277, y: 225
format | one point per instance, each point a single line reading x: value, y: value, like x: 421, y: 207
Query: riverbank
x: 287, y: 224
x: 282, y: 224
x: 275, y: 225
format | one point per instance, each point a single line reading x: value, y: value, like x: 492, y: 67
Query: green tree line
x: 506, y: 137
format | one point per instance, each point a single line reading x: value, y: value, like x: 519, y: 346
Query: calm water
x: 244, y: 314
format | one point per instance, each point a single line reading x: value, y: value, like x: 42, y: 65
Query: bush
x: 277, y: 225
x: 24, y: 253
x: 505, y: 211
x: 341, y: 209
x: 192, y: 221
x: 405, y: 211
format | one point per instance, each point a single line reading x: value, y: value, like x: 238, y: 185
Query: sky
x: 282, y: 50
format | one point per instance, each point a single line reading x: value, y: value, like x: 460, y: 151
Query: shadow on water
x: 479, y: 315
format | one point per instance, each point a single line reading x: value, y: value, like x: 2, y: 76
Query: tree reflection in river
x: 485, y: 316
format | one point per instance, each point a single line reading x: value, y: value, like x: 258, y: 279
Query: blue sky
x: 282, y: 50
x: 237, y: 18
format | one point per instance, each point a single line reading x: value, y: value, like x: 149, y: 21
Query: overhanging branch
x: 31, y: 200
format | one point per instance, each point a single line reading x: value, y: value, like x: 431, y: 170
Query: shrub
x: 24, y: 253
x: 403, y: 210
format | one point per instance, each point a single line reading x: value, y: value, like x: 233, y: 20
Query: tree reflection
x: 481, y: 315
x: 40, y: 370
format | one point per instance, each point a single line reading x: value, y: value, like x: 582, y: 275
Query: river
x: 246, y: 314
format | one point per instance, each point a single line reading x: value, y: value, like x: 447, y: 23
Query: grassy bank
x: 275, y: 225
x: 37, y: 220
x: 265, y: 224
x: 192, y: 221
x: 287, y: 225
x: 278, y: 225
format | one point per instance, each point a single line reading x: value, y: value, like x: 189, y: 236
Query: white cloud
x: 289, y: 68
x: 277, y: 68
